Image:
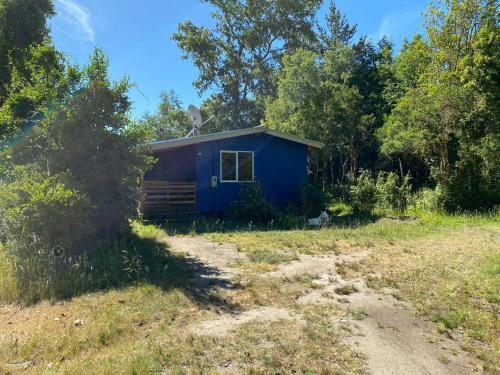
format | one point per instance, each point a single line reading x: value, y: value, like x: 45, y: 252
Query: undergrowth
x: 135, y: 256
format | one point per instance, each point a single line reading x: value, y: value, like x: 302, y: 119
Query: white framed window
x: 236, y: 166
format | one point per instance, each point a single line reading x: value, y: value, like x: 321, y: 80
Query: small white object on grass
x: 319, y: 221
x: 78, y: 323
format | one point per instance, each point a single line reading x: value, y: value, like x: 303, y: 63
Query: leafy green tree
x: 32, y: 73
x: 22, y: 24
x: 446, y: 116
x: 70, y: 183
x: 90, y: 139
x: 320, y: 97
x: 238, y: 58
x: 408, y: 67
x: 170, y: 120
x: 337, y: 29
x: 44, y: 81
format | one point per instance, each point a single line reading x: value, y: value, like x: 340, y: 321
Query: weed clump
x: 346, y: 289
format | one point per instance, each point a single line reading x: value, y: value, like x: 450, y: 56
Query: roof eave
x: 169, y: 144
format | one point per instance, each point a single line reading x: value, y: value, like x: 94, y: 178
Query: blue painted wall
x: 279, y: 165
x: 176, y: 165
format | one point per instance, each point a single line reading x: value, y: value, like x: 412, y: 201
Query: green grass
x: 340, y: 209
x: 359, y: 314
x: 135, y: 256
x: 313, y: 241
x: 452, y: 278
x: 459, y: 289
x: 143, y: 328
x: 447, y: 266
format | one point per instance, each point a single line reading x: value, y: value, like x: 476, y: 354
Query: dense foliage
x: 448, y: 117
x: 241, y: 54
x: 252, y: 206
x: 72, y: 181
x: 70, y: 158
x: 428, y: 111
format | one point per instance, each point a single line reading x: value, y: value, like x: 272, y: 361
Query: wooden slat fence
x: 161, y: 197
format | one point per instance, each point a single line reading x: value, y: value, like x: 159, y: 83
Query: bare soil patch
x: 226, y: 323
x: 388, y: 331
x: 316, y: 264
x: 210, y: 260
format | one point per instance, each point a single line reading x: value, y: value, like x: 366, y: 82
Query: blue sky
x: 136, y: 37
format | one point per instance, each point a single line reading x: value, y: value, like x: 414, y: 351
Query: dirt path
x: 388, y: 331
x: 210, y: 260
x: 391, y: 335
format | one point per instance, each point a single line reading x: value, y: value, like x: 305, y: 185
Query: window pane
x: 228, y: 166
x: 245, y: 166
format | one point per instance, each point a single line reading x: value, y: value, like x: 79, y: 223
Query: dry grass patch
x: 302, y: 241
x: 90, y: 327
x: 272, y: 257
x: 346, y: 289
x: 352, y: 238
x: 254, y: 291
x: 312, y: 347
x: 453, y: 280
x: 348, y: 269
x: 448, y: 266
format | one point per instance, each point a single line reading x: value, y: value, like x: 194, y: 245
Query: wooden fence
x: 163, y: 197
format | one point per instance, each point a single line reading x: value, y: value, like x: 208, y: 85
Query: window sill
x: 236, y: 182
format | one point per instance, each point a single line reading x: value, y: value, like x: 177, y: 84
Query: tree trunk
x: 445, y: 162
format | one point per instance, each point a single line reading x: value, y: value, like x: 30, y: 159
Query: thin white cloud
x: 386, y: 27
x: 394, y: 24
x: 78, y: 16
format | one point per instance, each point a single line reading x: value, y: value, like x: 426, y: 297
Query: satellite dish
x: 196, y: 120
x: 195, y: 116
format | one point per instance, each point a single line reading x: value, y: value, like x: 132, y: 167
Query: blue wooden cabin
x: 204, y: 174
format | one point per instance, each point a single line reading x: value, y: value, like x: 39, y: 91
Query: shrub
x: 340, y: 209
x: 393, y: 194
x: 289, y: 221
x: 129, y: 257
x: 429, y: 199
x: 71, y: 182
x: 7, y: 278
x: 338, y: 192
x: 312, y: 200
x: 363, y: 193
x: 252, y: 205
x: 44, y: 226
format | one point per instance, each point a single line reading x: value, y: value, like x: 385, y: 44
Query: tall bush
x: 252, y: 205
x: 72, y: 182
x: 363, y: 193
x: 312, y: 200
x: 44, y: 226
x: 90, y: 138
x: 392, y: 192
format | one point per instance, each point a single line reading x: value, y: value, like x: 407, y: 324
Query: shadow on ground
x: 126, y: 260
x: 157, y: 265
